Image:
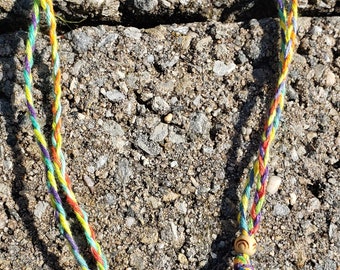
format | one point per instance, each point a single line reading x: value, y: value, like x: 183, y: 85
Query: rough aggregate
x: 158, y: 138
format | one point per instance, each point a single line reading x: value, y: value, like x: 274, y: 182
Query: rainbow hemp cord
x: 54, y: 159
x: 245, y: 244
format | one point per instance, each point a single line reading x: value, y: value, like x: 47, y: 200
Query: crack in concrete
x: 130, y: 17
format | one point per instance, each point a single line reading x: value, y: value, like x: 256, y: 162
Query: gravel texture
x: 160, y: 126
x: 14, y: 14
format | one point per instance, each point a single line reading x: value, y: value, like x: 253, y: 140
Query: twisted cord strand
x: 260, y: 171
x: 41, y: 141
x: 56, y: 139
x: 57, y: 164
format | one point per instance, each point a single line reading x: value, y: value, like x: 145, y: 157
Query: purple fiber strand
x: 280, y: 3
x: 261, y: 151
x: 71, y: 241
x: 265, y: 175
x: 56, y: 215
x: 44, y: 151
x: 269, y: 129
x: 34, y: 20
x: 279, y: 90
x: 31, y: 109
x: 257, y: 220
x: 256, y: 198
x: 55, y: 194
x: 27, y: 65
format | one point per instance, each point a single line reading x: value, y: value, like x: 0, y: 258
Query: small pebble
x: 3, y: 220
x: 293, y: 198
x: 115, y: 96
x: 333, y: 228
x: 313, y: 205
x: 129, y: 221
x: 273, y: 184
x: 220, y: 68
x: 281, y: 210
x: 182, y: 207
x: 199, y: 124
x: 155, y: 202
x: 40, y: 209
x: 124, y: 172
x: 5, y: 191
x: 182, y: 259
x: 101, y: 161
x: 159, y: 105
x: 330, y: 78
x: 89, y: 182
x: 173, y: 164
x: 316, y: 30
x: 294, y: 155
x: 149, y: 236
x: 176, y: 138
x: 8, y: 165
x: 145, y: 5
x: 133, y: 32
x: 147, y: 146
x: 160, y: 132
x: 170, y: 196
x: 168, y: 118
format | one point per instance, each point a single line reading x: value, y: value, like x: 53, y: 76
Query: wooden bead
x: 245, y: 244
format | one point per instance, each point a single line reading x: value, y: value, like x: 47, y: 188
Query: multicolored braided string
x: 56, y: 166
x: 245, y: 244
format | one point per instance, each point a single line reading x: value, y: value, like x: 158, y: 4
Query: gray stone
x: 145, y: 5
x: 149, y: 236
x: 199, y: 124
x: 110, y: 198
x: 3, y: 219
x: 130, y: 221
x: 124, y: 172
x: 159, y: 105
x: 8, y: 165
x: 313, y: 205
x: 5, y: 190
x: 221, y: 69
x: 147, y: 146
x: 173, y: 164
x: 333, y: 231
x: 113, y: 128
x: 281, y: 210
x: 109, y: 38
x: 101, y: 161
x: 160, y: 132
x: 82, y: 41
x: 40, y: 209
x: 115, y: 96
x: 176, y: 138
x: 133, y: 32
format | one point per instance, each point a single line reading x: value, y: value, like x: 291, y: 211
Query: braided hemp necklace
x: 245, y: 244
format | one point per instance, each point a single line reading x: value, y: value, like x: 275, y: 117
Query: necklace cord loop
x: 54, y: 158
x: 288, y: 14
x: 55, y: 163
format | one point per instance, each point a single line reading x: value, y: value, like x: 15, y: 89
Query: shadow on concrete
x: 13, y: 122
x: 222, y: 247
